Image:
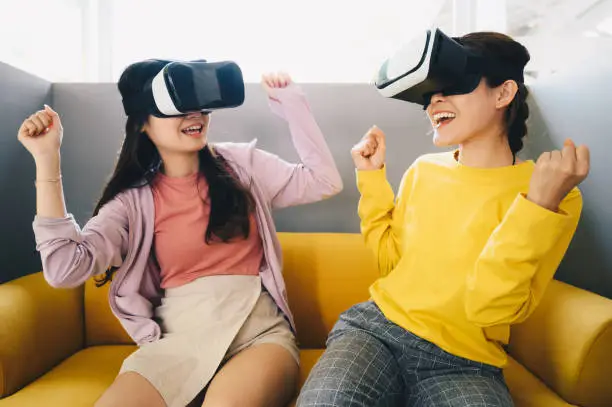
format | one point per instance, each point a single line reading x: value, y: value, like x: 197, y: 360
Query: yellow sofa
x: 62, y: 348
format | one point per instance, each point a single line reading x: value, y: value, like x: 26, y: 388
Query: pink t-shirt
x: 182, y: 210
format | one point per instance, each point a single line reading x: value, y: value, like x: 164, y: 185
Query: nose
x: 436, y: 97
x: 433, y: 99
x: 194, y: 115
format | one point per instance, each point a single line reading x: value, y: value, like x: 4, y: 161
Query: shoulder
x: 131, y: 200
x: 246, y: 156
x: 239, y: 153
x: 133, y: 194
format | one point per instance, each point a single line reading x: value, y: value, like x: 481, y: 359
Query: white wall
x: 574, y: 101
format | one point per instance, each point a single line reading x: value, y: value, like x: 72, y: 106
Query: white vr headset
x: 182, y: 87
x: 435, y: 63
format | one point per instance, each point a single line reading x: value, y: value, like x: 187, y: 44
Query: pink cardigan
x: 122, y: 233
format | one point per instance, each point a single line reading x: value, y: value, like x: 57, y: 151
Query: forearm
x: 309, y: 141
x: 49, y: 189
x: 519, y: 260
x: 377, y: 199
x: 376, y: 211
x: 316, y: 176
x: 70, y: 255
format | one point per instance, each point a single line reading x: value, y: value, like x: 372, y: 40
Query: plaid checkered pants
x: 371, y: 362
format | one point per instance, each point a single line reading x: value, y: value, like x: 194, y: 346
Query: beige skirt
x: 204, y: 324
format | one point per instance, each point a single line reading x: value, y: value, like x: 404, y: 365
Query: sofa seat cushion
x: 529, y: 391
x: 81, y: 379
x: 76, y: 382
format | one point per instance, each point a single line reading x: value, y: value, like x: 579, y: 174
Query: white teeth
x: 443, y: 115
x: 193, y: 128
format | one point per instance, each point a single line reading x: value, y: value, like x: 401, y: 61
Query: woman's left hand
x: 556, y: 173
x: 273, y: 81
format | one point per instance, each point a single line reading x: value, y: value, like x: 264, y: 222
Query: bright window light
x: 314, y: 40
x: 590, y: 34
x: 42, y: 39
x: 606, y: 26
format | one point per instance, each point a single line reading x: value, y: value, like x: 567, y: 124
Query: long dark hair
x: 510, y: 52
x: 231, y: 203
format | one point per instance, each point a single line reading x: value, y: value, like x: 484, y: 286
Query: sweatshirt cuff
x: 536, y: 210
x: 373, y: 183
x: 366, y: 177
x: 538, y: 223
x: 46, y: 229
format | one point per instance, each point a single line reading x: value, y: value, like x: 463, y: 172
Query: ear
x: 506, y: 93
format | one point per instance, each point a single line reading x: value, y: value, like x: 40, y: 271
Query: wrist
x: 546, y: 203
x: 370, y: 167
x: 48, y: 166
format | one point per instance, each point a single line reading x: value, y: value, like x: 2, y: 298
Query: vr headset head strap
x: 487, y: 66
x: 136, y: 103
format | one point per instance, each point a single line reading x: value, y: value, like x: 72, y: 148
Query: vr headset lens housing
x: 432, y: 63
x: 184, y: 87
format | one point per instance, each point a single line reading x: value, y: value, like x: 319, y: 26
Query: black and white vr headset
x: 184, y: 87
x: 435, y: 63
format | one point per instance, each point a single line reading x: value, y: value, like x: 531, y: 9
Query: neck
x: 180, y: 165
x: 486, y: 152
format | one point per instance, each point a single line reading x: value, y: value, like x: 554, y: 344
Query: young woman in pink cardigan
x: 185, y: 236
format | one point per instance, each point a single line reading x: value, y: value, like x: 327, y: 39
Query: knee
x: 461, y: 391
x: 360, y: 396
x: 355, y: 371
x: 103, y: 402
x: 107, y: 400
x: 130, y: 389
x: 326, y: 386
x: 320, y: 398
x: 223, y: 403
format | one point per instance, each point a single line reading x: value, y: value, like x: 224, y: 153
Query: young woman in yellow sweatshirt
x: 465, y: 249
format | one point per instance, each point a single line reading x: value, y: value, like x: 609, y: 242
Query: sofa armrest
x: 39, y: 327
x: 567, y: 343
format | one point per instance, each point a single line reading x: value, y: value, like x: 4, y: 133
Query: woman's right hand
x: 41, y: 134
x: 369, y: 153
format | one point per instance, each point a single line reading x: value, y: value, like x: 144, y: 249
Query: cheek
x: 164, y: 132
x: 476, y: 116
x: 471, y: 116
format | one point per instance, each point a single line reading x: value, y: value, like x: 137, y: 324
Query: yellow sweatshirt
x: 462, y: 252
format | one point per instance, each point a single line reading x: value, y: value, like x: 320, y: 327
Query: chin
x: 197, y: 148
x: 188, y: 149
x: 443, y: 139
x: 195, y: 144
